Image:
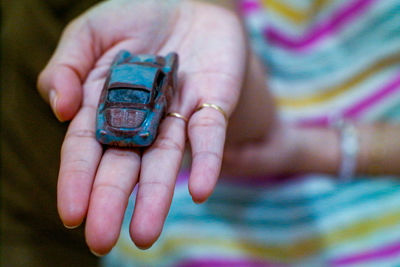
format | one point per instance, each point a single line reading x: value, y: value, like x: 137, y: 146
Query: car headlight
x: 144, y: 134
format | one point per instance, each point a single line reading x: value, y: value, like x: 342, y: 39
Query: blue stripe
x: 380, y: 30
x: 253, y: 196
x: 313, y: 211
x: 392, y: 114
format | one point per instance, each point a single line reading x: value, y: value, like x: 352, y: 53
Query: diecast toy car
x: 134, y: 99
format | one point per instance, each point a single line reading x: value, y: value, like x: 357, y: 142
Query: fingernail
x: 53, y: 103
x: 96, y: 254
x: 71, y: 227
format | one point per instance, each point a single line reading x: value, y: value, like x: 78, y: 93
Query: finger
x: 80, y: 155
x: 160, y: 166
x: 206, y: 130
x: 60, y: 83
x: 116, y: 176
x: 247, y: 159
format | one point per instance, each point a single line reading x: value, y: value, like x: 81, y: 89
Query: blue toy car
x: 134, y: 99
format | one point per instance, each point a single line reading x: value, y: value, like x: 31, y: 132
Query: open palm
x: 96, y: 184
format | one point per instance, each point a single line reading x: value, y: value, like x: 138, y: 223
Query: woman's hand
x: 286, y: 149
x: 96, y: 184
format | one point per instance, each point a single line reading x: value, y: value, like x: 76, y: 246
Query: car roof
x: 134, y: 74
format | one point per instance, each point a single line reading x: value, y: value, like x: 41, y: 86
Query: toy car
x: 134, y: 99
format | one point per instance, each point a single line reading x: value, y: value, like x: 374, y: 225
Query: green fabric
x: 31, y: 231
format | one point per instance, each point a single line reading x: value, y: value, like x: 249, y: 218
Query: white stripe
x: 311, y: 85
x: 312, y: 186
x: 270, y: 235
x: 262, y: 212
x: 339, y: 104
x: 378, y: 239
x: 293, y: 60
x: 296, y: 30
x: 377, y: 111
x: 330, y: 222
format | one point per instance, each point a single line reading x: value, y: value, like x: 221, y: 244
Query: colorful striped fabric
x: 325, y: 59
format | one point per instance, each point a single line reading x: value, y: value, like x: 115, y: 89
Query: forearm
x: 255, y: 113
x: 379, y: 149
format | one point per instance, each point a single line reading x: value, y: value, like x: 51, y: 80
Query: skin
x: 95, y: 184
x: 287, y: 149
x: 217, y: 67
x: 294, y: 149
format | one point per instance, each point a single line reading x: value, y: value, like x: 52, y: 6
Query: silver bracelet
x: 349, y: 147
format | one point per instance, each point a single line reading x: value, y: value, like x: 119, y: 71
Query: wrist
x: 378, y: 149
x: 318, y: 150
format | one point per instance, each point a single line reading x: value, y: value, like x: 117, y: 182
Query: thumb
x: 60, y: 82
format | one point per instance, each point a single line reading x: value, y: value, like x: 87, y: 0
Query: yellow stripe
x: 280, y: 253
x: 296, y: 16
x: 325, y: 94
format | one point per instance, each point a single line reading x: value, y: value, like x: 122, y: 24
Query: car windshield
x: 125, y: 95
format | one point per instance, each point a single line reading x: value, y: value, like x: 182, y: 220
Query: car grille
x: 125, y: 118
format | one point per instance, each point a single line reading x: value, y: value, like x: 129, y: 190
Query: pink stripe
x: 359, y: 108
x: 355, y: 111
x: 249, y: 6
x: 227, y: 263
x: 391, y: 250
x: 338, y: 20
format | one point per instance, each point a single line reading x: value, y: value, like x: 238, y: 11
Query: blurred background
x: 31, y: 137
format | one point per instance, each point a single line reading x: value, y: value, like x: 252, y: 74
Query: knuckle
x: 81, y: 133
x: 79, y: 164
x: 152, y: 189
x: 111, y: 187
x: 75, y: 25
x: 119, y: 153
x: 77, y: 170
x: 159, y: 184
x: 206, y: 121
x: 89, y: 108
x: 40, y: 80
x: 207, y: 154
x: 167, y: 143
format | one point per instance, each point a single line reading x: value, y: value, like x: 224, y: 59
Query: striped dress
x: 324, y: 58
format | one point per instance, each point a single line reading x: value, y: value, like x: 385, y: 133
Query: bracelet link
x: 349, y: 148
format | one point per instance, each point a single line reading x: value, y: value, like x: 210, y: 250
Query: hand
x: 276, y: 153
x: 285, y: 149
x: 96, y: 184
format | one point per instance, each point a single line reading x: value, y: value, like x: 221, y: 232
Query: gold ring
x: 177, y: 115
x: 216, y: 107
